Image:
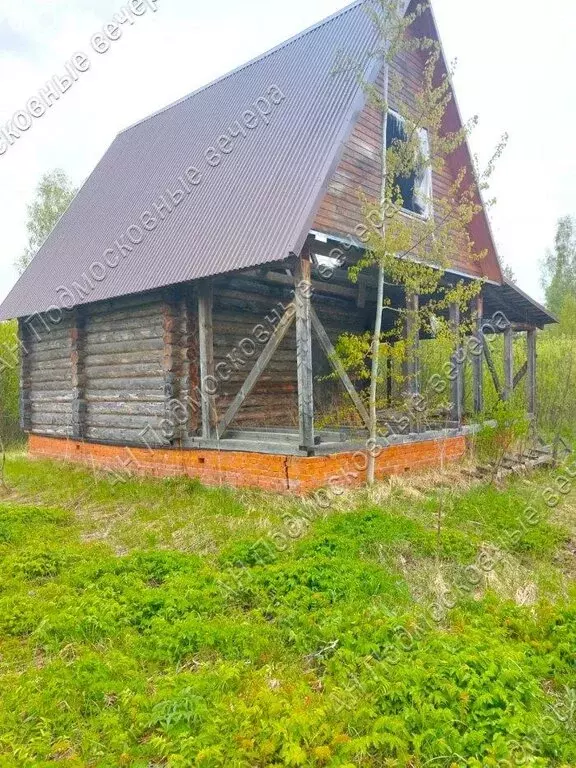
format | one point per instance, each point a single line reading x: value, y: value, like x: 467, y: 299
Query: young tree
x: 54, y: 194
x: 559, y: 267
x: 413, y: 252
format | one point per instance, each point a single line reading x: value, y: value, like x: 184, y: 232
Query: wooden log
x: 520, y: 375
x: 478, y: 356
x: 492, y: 367
x: 261, y: 364
x: 531, y: 337
x: 78, y: 377
x: 303, y: 293
x: 208, y: 382
x: 173, y: 367
x: 191, y: 381
x: 457, y: 386
x: 508, y: 362
x: 336, y: 363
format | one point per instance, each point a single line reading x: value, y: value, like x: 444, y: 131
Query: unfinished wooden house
x: 180, y: 319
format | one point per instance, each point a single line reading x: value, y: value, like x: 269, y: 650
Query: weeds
x: 325, y: 656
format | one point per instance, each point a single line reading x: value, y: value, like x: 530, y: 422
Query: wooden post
x: 208, y: 383
x: 24, y: 338
x: 508, y: 362
x: 77, y: 346
x: 303, y: 292
x: 389, y: 379
x: 478, y: 356
x: 457, y: 366
x: 412, y: 336
x: 173, y: 368
x: 192, y: 362
x: 531, y: 370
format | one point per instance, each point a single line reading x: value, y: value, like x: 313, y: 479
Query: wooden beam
x: 336, y: 363
x: 173, y: 368
x: 531, y: 364
x: 261, y: 364
x: 24, y: 338
x: 478, y: 356
x: 492, y: 367
x: 192, y: 360
x: 457, y: 386
x: 208, y: 382
x: 412, y: 337
x: 508, y: 362
x: 520, y: 375
x: 303, y: 294
x: 77, y: 351
x: 389, y: 379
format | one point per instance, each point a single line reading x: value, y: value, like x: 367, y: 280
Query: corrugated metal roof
x: 255, y: 207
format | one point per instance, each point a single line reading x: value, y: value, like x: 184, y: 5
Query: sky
x: 515, y: 70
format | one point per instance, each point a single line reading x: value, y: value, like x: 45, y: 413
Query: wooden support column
x: 457, y: 404
x: 208, y: 383
x: 24, y: 338
x: 191, y: 379
x: 478, y: 355
x: 412, y: 336
x: 303, y: 295
x: 531, y: 336
x: 508, y: 362
x: 79, y: 407
x: 173, y: 368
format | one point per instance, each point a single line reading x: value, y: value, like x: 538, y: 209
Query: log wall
x: 116, y: 371
x: 47, y: 391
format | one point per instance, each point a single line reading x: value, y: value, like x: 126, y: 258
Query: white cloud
x: 513, y: 70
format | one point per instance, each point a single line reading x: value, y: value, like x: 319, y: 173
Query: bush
x: 9, y: 383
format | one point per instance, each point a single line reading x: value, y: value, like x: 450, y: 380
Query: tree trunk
x: 371, y: 470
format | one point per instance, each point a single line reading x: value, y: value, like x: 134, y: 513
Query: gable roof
x: 255, y: 207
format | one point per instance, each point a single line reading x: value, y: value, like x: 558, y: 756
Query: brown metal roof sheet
x: 255, y: 207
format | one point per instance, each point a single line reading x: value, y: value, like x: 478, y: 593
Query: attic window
x: 415, y: 189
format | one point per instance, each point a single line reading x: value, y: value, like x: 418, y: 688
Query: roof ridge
x: 247, y: 64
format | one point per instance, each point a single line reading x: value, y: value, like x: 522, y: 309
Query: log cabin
x: 179, y: 319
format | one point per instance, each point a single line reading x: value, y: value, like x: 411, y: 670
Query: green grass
x: 151, y: 623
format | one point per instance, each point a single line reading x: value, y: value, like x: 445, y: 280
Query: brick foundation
x: 278, y: 473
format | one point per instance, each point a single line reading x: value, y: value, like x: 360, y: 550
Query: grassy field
x: 164, y: 624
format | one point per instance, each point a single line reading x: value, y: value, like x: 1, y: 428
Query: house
x: 179, y: 319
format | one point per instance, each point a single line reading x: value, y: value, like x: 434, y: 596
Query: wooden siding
x: 360, y: 169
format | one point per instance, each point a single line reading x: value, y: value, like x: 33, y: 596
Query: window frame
x: 429, y: 213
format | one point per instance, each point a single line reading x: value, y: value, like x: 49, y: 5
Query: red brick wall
x: 269, y: 472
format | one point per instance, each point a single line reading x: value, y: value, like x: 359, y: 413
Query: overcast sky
x: 515, y: 69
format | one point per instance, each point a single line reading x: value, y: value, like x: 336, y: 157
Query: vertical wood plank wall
x: 360, y: 169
